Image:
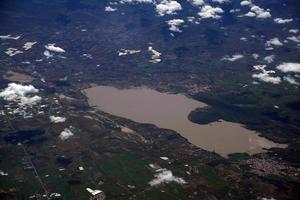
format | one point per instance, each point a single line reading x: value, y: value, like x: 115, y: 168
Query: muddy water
x: 15, y: 76
x: 171, y: 111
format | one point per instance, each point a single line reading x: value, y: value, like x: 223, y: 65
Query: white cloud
x: 269, y: 59
x: 52, y: 47
x: 174, y: 24
x: 220, y: 1
x: 234, y: 10
x: 291, y: 80
x: 13, y: 51
x: 136, y: 1
x: 295, y: 31
x: 22, y: 94
x: 246, y: 3
x: 155, y: 58
x: 255, y: 56
x: 57, y: 119
x: 260, y: 12
x: 208, y: 11
x: 256, y: 11
x: 165, y: 176
x: 2, y: 173
x: 233, y: 57
x: 93, y: 192
x: 28, y: 45
x: 164, y: 158
x: 289, y: 67
x: 48, y: 54
x: 250, y: 14
x: 264, y: 75
x: 124, y: 52
x: 274, y: 41
x: 282, y: 21
x: 294, y: 38
x: 168, y: 7
x: 110, y: 9
x: 9, y: 37
x: 197, y: 2
x: 66, y: 134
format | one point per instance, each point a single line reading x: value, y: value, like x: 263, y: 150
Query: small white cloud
x: 66, y: 134
x: 264, y: 75
x: 174, y: 24
x: 220, y: 1
x: 28, y: 45
x: 13, y: 51
x: 168, y: 7
x: 290, y: 80
x: 57, y: 119
x: 2, y: 173
x: 274, y: 41
x: 260, y: 12
x: 282, y: 21
x: 250, y: 14
x: 93, y: 192
x: 208, y: 11
x: 234, y: 10
x: 124, y: 52
x: 9, y: 37
x: 155, y: 58
x: 233, y: 57
x: 165, y: 176
x: 197, y: 2
x: 110, y: 9
x: 164, y: 158
x: 53, y: 48
x: 48, y: 54
x: 255, y: 56
x: 269, y: 59
x: 294, y: 39
x: 295, y: 31
x: 21, y: 94
x: 289, y: 67
x: 246, y: 3
x: 136, y: 1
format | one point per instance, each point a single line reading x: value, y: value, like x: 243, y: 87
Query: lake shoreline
x: 170, y: 111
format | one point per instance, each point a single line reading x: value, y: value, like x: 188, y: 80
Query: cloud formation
x: 124, y: 52
x: 168, y: 7
x: 174, y: 24
x: 66, y: 134
x: 155, y: 58
x: 282, y: 21
x: 9, y: 37
x: 289, y: 67
x: 21, y: 94
x: 53, y: 48
x: 290, y: 80
x: 12, y: 51
x: 110, y: 9
x: 274, y: 42
x: 165, y: 176
x: 208, y: 11
x: 197, y: 2
x: 57, y: 119
x: 264, y: 75
x: 28, y: 45
x: 233, y: 57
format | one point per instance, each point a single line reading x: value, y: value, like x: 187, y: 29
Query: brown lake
x: 171, y: 111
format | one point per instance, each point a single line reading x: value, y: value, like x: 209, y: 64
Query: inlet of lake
x: 171, y: 111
